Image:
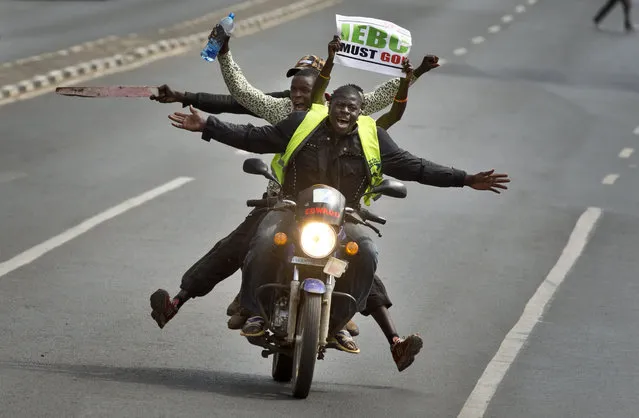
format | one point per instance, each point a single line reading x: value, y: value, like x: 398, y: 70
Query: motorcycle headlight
x: 318, y: 239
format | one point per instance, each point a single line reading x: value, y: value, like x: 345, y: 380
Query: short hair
x: 307, y: 72
x: 346, y: 89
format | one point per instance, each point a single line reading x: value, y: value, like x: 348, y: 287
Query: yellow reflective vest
x: 367, y: 131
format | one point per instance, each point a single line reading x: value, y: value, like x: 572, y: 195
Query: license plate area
x: 306, y: 261
x: 331, y: 266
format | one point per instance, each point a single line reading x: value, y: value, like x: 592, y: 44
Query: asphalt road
x: 547, y: 99
x: 32, y: 27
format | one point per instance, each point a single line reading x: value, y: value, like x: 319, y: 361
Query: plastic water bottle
x: 221, y: 31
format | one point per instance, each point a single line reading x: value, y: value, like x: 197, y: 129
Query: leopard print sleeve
x: 272, y: 109
x: 382, y: 96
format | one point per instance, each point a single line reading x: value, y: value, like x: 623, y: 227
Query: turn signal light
x: 280, y: 238
x: 351, y: 248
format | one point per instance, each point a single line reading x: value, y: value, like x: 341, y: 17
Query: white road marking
x: 479, y: 399
x: 478, y: 39
x: 520, y: 9
x: 494, y: 29
x: 39, y: 250
x: 460, y: 51
x: 626, y: 152
x: 636, y: 131
x: 442, y: 61
x: 531, y: 2
x: 507, y: 18
x: 610, y: 179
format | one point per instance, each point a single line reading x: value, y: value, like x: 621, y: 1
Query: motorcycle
x: 296, y: 308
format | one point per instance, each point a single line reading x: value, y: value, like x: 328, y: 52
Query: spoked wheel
x: 282, y: 370
x: 306, y: 343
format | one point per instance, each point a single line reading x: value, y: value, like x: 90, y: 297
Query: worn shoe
x: 236, y: 321
x: 254, y: 327
x: 405, y: 350
x: 164, y: 308
x: 352, y: 328
x: 344, y: 342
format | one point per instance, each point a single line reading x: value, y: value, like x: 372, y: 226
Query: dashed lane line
x: 39, y: 250
x: 610, y: 179
x: 626, y: 152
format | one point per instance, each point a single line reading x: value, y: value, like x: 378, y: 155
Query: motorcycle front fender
x: 314, y: 286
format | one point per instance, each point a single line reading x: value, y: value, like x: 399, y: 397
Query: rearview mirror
x: 391, y: 188
x: 257, y: 166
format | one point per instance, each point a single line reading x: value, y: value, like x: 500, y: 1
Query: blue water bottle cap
x: 232, y: 15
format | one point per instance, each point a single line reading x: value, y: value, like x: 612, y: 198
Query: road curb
x: 163, y: 47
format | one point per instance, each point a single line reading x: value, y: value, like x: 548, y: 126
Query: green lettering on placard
x: 358, y: 32
x: 376, y: 38
x: 346, y: 31
x: 394, y: 45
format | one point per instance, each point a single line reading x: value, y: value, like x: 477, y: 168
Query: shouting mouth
x: 299, y: 106
x: 342, y: 123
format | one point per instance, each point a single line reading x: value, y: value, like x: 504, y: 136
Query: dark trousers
x: 224, y: 259
x: 264, y: 260
x: 605, y: 9
x: 227, y: 256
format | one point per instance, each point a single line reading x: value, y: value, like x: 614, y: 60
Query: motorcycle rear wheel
x: 282, y: 370
x: 306, y: 344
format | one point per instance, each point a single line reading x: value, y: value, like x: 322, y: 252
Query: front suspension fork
x: 326, y: 312
x: 293, y: 303
x: 294, y: 300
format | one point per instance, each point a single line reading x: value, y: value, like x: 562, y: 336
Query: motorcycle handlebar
x: 270, y: 202
x: 257, y: 203
x: 369, y: 216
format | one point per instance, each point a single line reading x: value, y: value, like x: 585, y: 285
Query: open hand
x: 488, y: 180
x: 193, y: 122
x: 334, y: 46
x: 167, y: 95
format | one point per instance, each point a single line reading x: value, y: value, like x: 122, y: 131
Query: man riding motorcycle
x: 228, y: 253
x: 339, y: 147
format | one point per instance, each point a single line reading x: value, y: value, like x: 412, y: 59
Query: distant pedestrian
x: 625, y: 4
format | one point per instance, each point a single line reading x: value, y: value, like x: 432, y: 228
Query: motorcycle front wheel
x: 306, y: 344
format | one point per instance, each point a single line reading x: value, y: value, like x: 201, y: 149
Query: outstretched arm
x: 383, y: 94
x: 262, y: 140
x: 321, y: 82
x: 396, y: 112
x: 403, y: 165
x: 208, y: 102
x: 223, y: 103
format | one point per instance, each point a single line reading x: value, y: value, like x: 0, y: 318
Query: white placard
x: 372, y: 44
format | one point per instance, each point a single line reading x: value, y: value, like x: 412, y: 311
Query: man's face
x: 301, y: 88
x: 344, y: 111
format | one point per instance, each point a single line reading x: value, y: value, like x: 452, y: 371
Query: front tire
x: 306, y: 344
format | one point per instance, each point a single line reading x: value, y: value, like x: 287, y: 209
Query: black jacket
x: 222, y: 103
x: 339, y: 164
